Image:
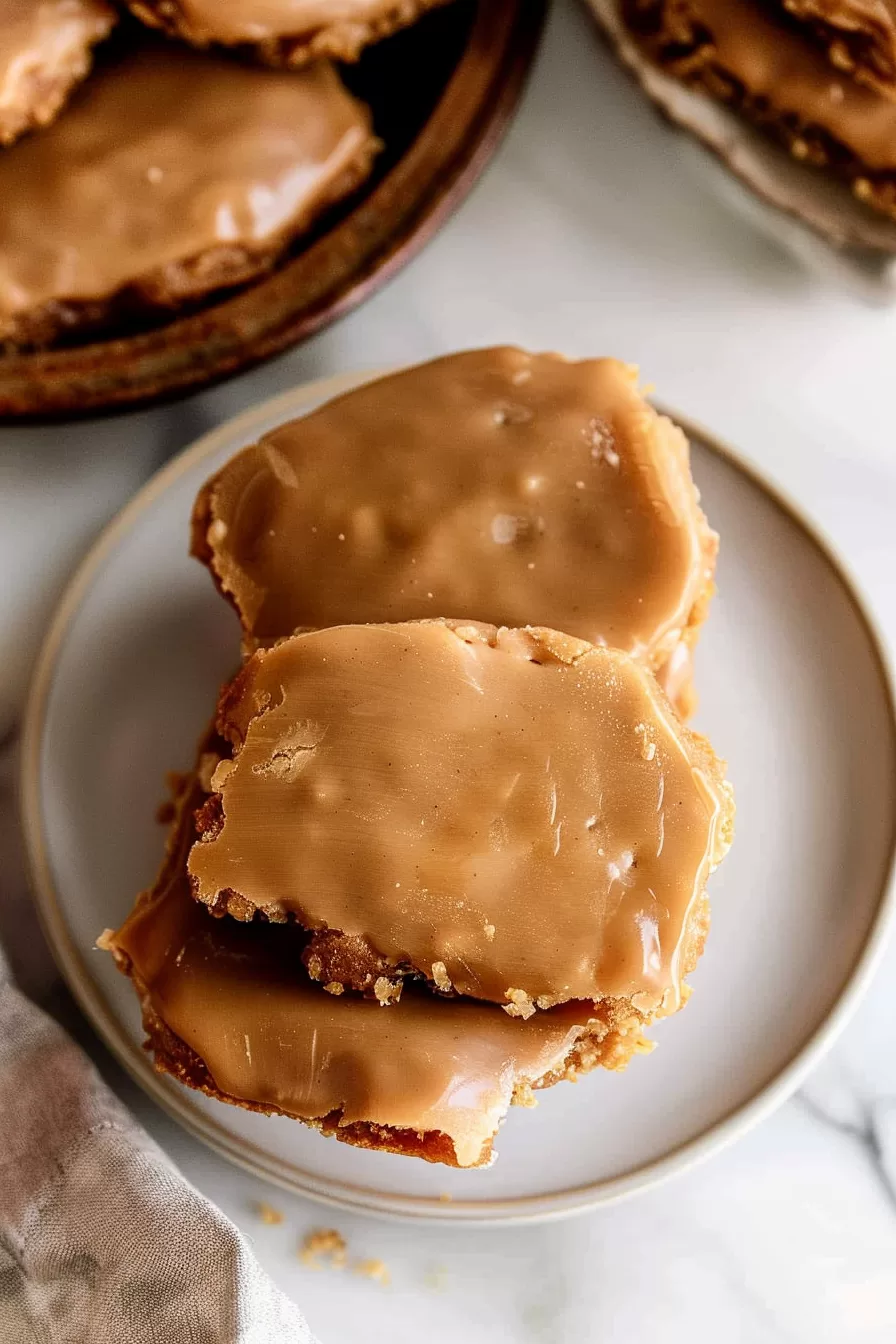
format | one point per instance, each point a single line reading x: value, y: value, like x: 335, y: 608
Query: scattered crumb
x: 436, y: 1278
x: 445, y: 1198
x: 520, y: 1004
x: 373, y: 1269
x: 386, y: 990
x: 490, y: 931
x: 325, y: 1248
x: 539, y: 1318
x: 323, y: 1244
x: 523, y: 1094
x: 334, y: 987
x: 440, y: 977
x: 314, y: 966
x: 547, y: 1001
x: 266, y: 1213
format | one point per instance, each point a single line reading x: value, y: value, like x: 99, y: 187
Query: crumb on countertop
x: 373, y: 1269
x: 323, y: 1244
x: 324, y: 1247
x: 266, y: 1213
x: 436, y: 1278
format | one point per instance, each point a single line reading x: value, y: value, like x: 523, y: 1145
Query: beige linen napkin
x: 102, y: 1241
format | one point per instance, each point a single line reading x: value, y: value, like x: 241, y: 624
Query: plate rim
x: 345, y: 1195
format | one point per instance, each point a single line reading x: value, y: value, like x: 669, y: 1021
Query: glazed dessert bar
x: 172, y: 175
x: 491, y: 810
x: 491, y: 485
x: 228, y: 1010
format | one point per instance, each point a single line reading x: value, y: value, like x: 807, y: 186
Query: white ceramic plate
x: 794, y: 693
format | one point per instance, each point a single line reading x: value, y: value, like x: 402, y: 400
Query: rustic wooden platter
x: 442, y: 94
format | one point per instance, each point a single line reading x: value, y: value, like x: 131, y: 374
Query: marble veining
x: 872, y: 1127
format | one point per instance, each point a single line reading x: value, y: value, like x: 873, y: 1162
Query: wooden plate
x: 442, y: 94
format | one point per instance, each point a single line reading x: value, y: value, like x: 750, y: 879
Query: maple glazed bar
x: 284, y: 32
x: 492, y: 485
x: 45, y: 50
x: 172, y: 175
x: 513, y: 815
x: 764, y: 66
x: 229, y: 1011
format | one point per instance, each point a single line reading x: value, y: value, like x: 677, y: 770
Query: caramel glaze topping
x: 237, y: 996
x: 234, y: 21
x: 161, y: 158
x: 517, y: 815
x: 777, y: 62
x: 491, y: 485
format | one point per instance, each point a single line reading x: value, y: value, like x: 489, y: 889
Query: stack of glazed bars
x: 448, y: 835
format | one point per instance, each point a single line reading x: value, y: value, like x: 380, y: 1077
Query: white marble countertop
x: 589, y: 234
